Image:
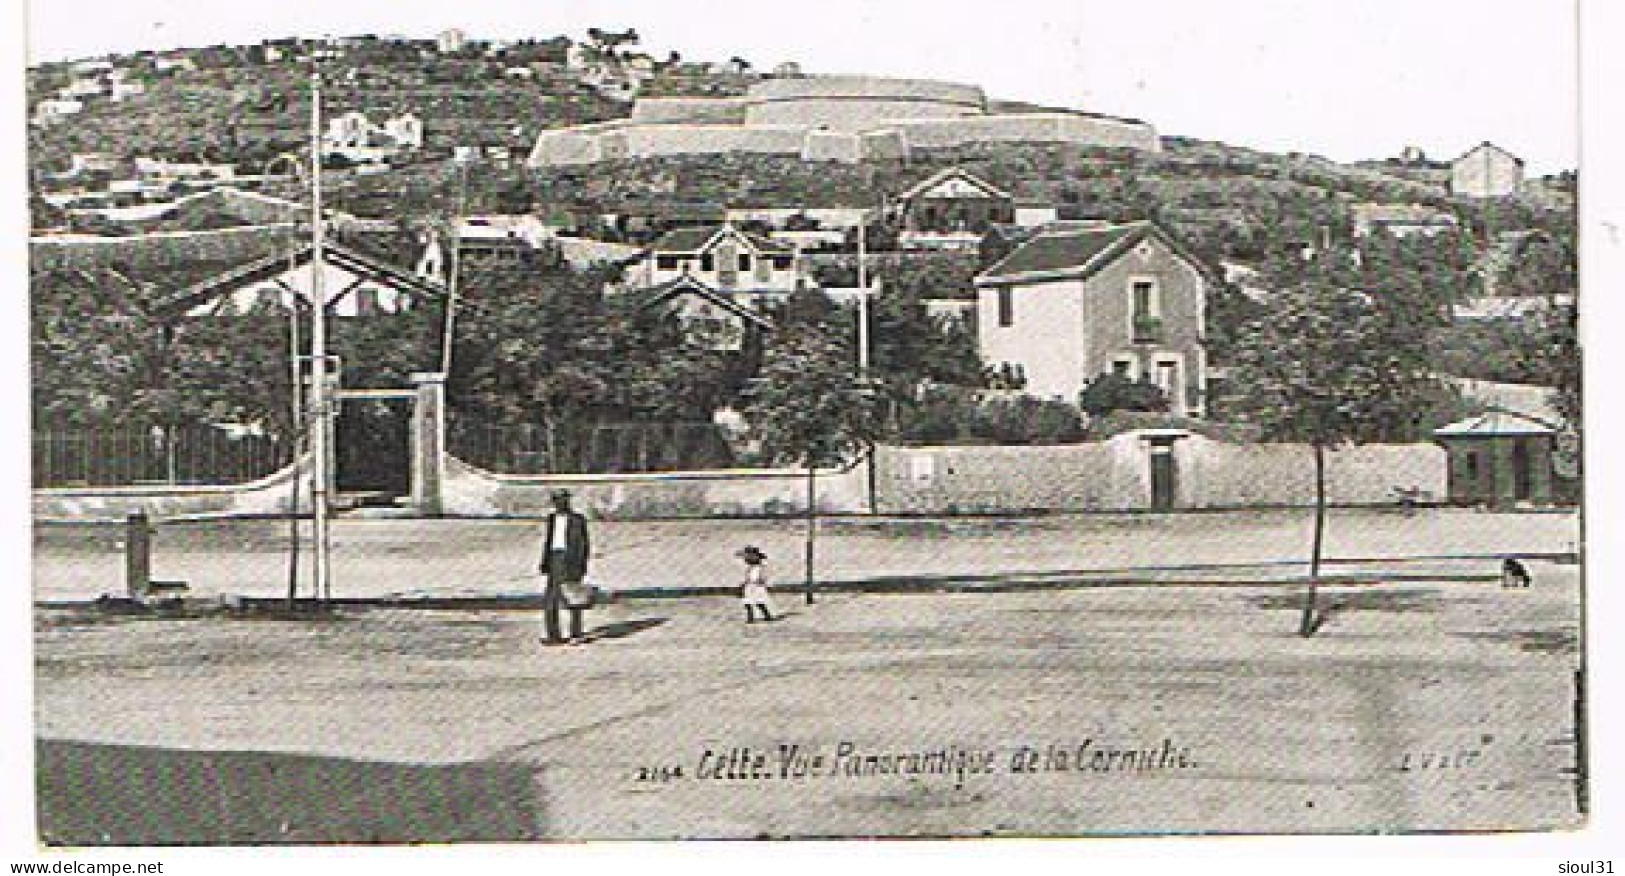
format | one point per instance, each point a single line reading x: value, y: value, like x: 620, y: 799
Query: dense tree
x: 809, y: 407
x: 1328, y: 367
x: 1554, y: 359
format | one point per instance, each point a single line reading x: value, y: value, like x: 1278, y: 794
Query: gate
x: 372, y: 446
x: 1164, y: 469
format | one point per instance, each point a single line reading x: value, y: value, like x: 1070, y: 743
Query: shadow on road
x: 622, y: 629
x: 95, y: 795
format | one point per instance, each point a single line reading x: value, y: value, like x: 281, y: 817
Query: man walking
x: 565, y: 550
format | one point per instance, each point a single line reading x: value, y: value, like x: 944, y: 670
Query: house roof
x: 951, y: 173
x: 655, y: 296
x: 1073, y: 249
x: 265, y: 268
x: 700, y: 238
x: 1483, y: 146
x: 1007, y: 233
x: 1494, y: 424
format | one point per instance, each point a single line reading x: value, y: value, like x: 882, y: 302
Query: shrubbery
x: 953, y: 415
x: 1114, y: 392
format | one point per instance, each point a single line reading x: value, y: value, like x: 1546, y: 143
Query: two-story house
x: 748, y: 269
x: 952, y: 209
x: 1078, y: 300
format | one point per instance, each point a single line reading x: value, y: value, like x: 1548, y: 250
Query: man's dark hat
x: 751, y: 552
x: 561, y: 493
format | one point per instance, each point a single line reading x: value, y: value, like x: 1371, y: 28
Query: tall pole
x: 812, y: 523
x: 863, y: 295
x: 320, y: 424
x: 296, y: 395
x: 453, y: 265
x: 1310, y: 619
x: 298, y: 432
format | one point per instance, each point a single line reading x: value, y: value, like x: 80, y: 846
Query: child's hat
x: 751, y: 552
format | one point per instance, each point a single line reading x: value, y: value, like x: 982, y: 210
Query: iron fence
x: 596, y: 448
x: 132, y: 455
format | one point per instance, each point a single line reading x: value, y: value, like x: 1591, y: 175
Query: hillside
x: 245, y: 104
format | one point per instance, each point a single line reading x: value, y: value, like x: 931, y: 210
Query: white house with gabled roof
x: 952, y: 209
x: 748, y: 267
x: 1486, y: 171
x: 1082, y: 299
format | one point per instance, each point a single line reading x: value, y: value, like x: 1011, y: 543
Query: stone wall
x: 473, y: 492
x: 689, y: 110
x: 857, y: 103
x: 1114, y: 475
x: 839, y: 118
x: 567, y: 147
x: 940, y: 133
x: 832, y: 146
x: 650, y: 140
x: 271, y: 495
x: 1104, y: 476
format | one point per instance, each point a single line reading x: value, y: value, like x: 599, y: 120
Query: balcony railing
x: 1147, y: 329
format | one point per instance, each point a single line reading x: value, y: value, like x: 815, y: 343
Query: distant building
x: 50, y: 110
x: 710, y: 316
x: 1486, y: 171
x: 578, y: 56
x: 451, y: 40
x: 952, y: 209
x: 124, y: 88
x: 348, y: 130
x: 355, y: 136
x: 639, y: 67
x: 406, y: 130
x: 787, y: 70
x: 91, y: 87
x: 1500, y: 459
x: 355, y: 285
x: 751, y: 270
x: 1079, y: 300
x: 152, y: 168
x: 1035, y: 214
x: 170, y: 64
x: 92, y: 162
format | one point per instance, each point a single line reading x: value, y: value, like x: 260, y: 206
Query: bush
x: 1114, y: 392
x: 1027, y: 420
x: 960, y: 416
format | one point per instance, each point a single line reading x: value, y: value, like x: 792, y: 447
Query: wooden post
x: 137, y: 554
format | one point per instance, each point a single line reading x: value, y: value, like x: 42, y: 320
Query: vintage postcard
x: 530, y: 422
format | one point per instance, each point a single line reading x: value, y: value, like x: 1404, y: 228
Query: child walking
x: 754, y: 593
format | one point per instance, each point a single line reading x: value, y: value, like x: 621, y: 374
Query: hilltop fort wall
x: 833, y: 118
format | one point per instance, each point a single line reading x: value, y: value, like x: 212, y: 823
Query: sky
x: 1344, y: 79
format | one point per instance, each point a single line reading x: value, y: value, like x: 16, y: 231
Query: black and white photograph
x: 521, y: 423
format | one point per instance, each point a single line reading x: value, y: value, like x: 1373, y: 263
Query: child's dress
x: 755, y: 591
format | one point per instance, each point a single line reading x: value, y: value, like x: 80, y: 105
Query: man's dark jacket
x: 571, y: 563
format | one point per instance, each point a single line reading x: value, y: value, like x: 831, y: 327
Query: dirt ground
x: 1444, y: 705
x: 373, y: 558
